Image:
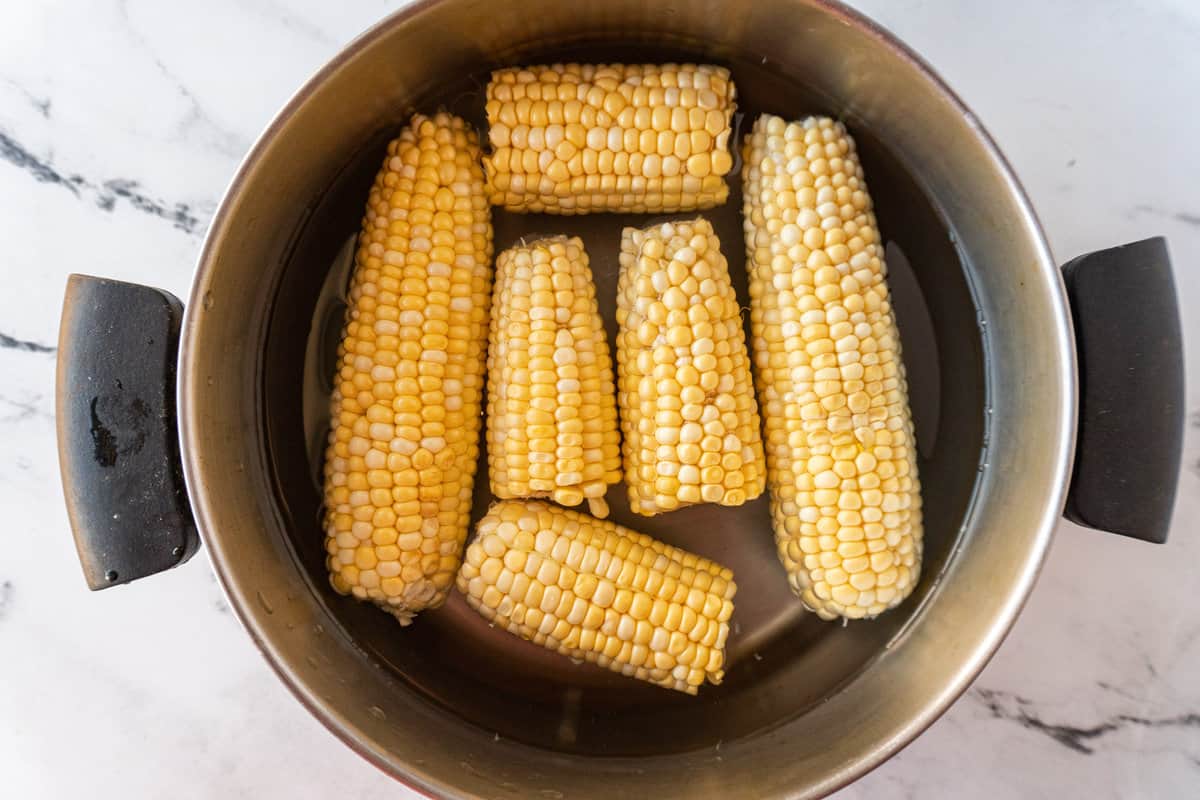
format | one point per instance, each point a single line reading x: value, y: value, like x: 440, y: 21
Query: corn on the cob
x: 840, y: 450
x: 595, y: 591
x: 577, y: 138
x: 688, y: 411
x: 552, y: 409
x: 401, y: 459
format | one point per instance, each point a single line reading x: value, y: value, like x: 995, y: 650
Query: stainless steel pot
x: 455, y: 709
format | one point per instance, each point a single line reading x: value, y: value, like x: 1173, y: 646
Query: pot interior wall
x: 782, y: 661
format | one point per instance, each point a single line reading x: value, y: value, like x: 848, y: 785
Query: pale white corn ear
x: 841, y: 457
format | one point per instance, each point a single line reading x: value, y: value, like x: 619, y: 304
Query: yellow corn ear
x: 552, y: 407
x: 400, y: 463
x: 595, y: 591
x: 578, y: 138
x: 688, y: 412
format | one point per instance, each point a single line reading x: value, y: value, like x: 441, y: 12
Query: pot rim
x: 206, y: 510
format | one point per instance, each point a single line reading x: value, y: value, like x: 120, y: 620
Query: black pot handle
x: 118, y: 446
x: 1130, y: 350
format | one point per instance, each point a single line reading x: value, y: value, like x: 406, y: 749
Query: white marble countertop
x: 122, y: 121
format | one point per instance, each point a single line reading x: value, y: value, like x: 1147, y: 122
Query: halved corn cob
x: 595, y: 591
x: 400, y: 464
x: 686, y: 398
x: 840, y: 450
x: 552, y: 409
x: 576, y: 138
